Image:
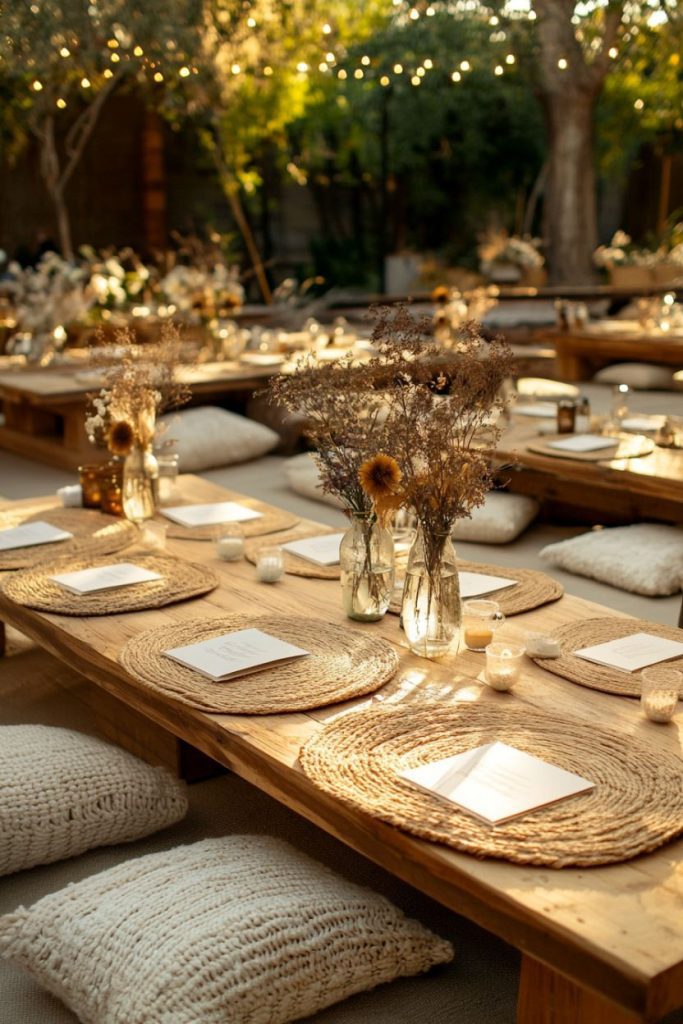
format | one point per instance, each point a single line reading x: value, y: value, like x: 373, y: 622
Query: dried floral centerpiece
x: 434, y: 455
x: 344, y: 415
x: 141, y: 383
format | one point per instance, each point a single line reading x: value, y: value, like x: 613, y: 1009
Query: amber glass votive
x: 90, y: 476
x: 111, y: 485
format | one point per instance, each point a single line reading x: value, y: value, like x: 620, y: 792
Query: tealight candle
x: 230, y: 548
x: 270, y: 565
x: 660, y: 689
x: 503, y: 665
x: 71, y: 496
x: 480, y: 620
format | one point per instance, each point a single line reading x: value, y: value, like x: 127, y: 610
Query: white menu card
x: 474, y: 584
x: 211, y: 514
x: 104, y: 577
x: 321, y: 550
x: 584, y: 443
x: 631, y: 653
x: 541, y: 410
x: 31, y: 534
x: 235, y: 654
x: 496, y: 782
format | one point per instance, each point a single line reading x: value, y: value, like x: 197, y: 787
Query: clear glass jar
x: 140, y: 485
x: 366, y: 562
x: 432, y: 611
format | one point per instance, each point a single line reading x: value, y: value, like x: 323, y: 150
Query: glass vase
x: 431, y: 610
x: 140, y: 485
x: 366, y: 561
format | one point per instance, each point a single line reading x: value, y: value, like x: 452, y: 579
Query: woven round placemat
x: 627, y: 446
x: 635, y: 806
x: 532, y: 590
x: 294, y: 565
x: 180, y: 581
x: 575, y: 635
x: 271, y: 520
x: 93, y: 532
x: 341, y: 664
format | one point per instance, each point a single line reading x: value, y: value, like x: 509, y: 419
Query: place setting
x: 608, y: 654
x: 259, y: 664
x: 501, y: 780
x: 108, y: 586
x: 309, y: 552
x: 27, y: 539
x: 200, y: 521
x: 593, y: 447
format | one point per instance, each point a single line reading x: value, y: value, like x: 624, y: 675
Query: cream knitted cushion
x: 303, y: 477
x: 644, y: 559
x: 62, y: 793
x: 236, y: 930
x: 208, y: 437
x: 500, y: 519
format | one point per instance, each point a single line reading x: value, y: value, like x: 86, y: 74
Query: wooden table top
x: 659, y: 474
x: 615, y: 930
x: 45, y: 386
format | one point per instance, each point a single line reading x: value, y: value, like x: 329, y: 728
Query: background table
x: 580, y: 353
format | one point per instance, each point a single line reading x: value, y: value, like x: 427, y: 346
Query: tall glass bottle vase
x: 366, y: 561
x: 140, y: 484
x: 432, y: 610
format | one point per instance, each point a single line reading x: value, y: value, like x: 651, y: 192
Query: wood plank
x: 613, y: 930
x: 546, y: 997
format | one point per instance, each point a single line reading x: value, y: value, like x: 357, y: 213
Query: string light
x: 414, y: 14
x: 65, y: 52
x: 302, y: 67
x: 138, y: 51
x: 158, y: 77
x: 415, y: 80
x: 639, y: 104
x: 465, y: 65
x: 456, y: 76
x: 510, y: 58
x: 428, y: 63
x: 499, y: 69
x: 61, y: 103
x: 251, y: 22
x: 267, y: 71
x: 327, y: 29
x: 184, y: 72
x: 108, y: 73
x: 235, y: 68
x: 398, y: 69
x: 420, y: 73
x: 85, y: 83
x: 562, y: 64
x: 385, y: 80
x: 37, y: 86
x: 115, y: 58
x: 613, y: 52
x: 342, y: 74
x: 358, y: 73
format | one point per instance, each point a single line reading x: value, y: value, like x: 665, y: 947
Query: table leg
x: 3, y: 639
x: 546, y: 997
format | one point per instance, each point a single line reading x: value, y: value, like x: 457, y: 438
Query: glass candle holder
x: 230, y: 545
x: 503, y: 665
x: 480, y: 619
x: 168, y: 476
x: 566, y: 416
x: 661, y: 686
x: 153, y: 536
x: 270, y: 565
x: 90, y: 484
x: 111, y: 483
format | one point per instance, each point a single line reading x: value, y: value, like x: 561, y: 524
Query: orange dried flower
x: 120, y: 437
x: 380, y: 476
x: 440, y: 293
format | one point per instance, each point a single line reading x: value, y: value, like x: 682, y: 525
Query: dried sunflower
x: 120, y: 437
x: 380, y: 476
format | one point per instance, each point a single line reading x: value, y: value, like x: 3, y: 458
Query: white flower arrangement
x: 621, y: 252
x: 50, y: 295
x: 499, y: 247
x: 203, y: 290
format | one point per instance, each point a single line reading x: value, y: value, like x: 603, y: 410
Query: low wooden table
x: 618, y: 491
x: 44, y: 410
x: 579, y: 354
x: 600, y: 945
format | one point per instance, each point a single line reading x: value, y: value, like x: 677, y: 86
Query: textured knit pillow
x: 225, y: 931
x: 500, y: 520
x: 540, y: 387
x: 62, y: 793
x: 640, y: 376
x: 643, y: 559
x: 303, y: 477
x: 209, y: 437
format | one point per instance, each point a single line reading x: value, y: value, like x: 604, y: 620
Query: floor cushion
x: 640, y: 376
x: 643, y: 559
x: 208, y: 437
x: 303, y: 478
x: 500, y: 519
x: 224, y: 931
x: 539, y: 387
x: 62, y: 792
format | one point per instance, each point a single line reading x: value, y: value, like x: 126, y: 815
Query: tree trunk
x: 570, y: 208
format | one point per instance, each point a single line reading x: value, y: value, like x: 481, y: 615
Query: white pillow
x: 539, y: 387
x: 643, y: 559
x: 640, y: 376
x: 62, y: 793
x: 303, y: 477
x: 225, y: 931
x: 500, y: 520
x: 208, y: 437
